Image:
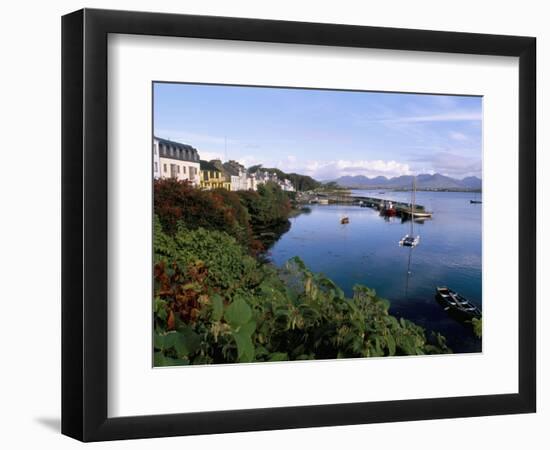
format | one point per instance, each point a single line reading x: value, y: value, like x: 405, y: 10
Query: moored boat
x: 456, y: 305
x: 409, y: 241
x: 344, y: 220
x: 420, y: 214
x: 388, y: 209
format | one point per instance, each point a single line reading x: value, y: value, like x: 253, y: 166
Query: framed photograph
x: 272, y: 224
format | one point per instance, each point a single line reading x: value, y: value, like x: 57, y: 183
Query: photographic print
x: 314, y: 224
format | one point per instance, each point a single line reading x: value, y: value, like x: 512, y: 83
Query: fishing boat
x: 421, y: 214
x: 456, y: 305
x: 410, y: 240
x: 475, y: 201
x: 344, y: 220
x: 388, y: 209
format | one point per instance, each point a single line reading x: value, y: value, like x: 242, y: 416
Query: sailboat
x: 409, y: 240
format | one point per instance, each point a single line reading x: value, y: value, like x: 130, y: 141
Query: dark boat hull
x: 458, y: 308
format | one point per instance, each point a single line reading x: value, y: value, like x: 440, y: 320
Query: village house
x: 175, y: 160
x: 211, y: 177
x: 264, y: 176
x: 286, y: 185
x: 251, y: 182
x: 224, y: 174
x: 181, y: 161
x: 237, y: 174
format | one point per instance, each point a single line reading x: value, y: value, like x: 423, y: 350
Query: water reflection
x: 366, y: 251
x: 408, y: 276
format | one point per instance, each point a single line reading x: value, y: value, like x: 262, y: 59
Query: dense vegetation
x: 300, y: 182
x: 216, y: 303
x: 269, y: 205
x: 477, y: 327
x: 244, y: 215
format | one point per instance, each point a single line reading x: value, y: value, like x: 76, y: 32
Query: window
x: 165, y: 170
x: 178, y: 169
x: 184, y: 169
x: 156, y: 167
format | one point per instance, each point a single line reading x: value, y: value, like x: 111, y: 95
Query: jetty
x: 402, y: 209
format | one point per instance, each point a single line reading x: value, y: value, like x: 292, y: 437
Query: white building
x: 265, y: 176
x: 251, y: 182
x: 286, y: 185
x: 238, y: 176
x: 156, y: 159
x: 175, y: 160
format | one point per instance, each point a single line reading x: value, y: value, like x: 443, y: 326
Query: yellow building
x: 212, y: 177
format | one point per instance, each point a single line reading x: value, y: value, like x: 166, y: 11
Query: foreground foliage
x: 477, y: 326
x: 244, y: 215
x: 214, y: 303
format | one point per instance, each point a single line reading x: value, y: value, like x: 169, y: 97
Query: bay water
x: 366, y: 251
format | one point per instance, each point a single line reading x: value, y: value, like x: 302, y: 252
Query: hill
x: 300, y: 182
x: 423, y: 182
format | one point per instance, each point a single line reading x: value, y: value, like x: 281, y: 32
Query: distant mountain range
x: 423, y: 182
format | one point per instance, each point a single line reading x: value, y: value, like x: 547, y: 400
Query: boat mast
x: 413, y: 201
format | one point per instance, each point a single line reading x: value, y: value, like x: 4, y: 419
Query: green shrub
x: 215, y: 304
x: 179, y: 203
x: 227, y: 262
x: 477, y: 327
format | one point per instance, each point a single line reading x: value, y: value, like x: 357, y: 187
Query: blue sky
x: 323, y: 133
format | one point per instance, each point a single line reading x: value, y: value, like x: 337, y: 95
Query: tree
x: 179, y: 203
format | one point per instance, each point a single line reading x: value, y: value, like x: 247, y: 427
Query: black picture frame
x: 84, y: 224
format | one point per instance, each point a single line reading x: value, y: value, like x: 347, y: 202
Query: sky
x: 324, y: 133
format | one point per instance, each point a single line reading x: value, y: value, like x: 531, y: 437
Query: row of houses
x: 181, y: 161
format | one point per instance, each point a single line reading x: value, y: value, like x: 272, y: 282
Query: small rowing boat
x: 456, y: 305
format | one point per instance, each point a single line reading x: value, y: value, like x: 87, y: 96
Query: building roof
x: 231, y: 169
x: 188, y: 152
x: 207, y: 165
x: 175, y: 144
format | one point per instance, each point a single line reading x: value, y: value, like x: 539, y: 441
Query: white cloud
x: 249, y: 160
x: 328, y: 170
x: 455, y: 116
x: 457, y: 136
x: 206, y: 155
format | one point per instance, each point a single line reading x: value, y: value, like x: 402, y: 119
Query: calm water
x: 366, y: 251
